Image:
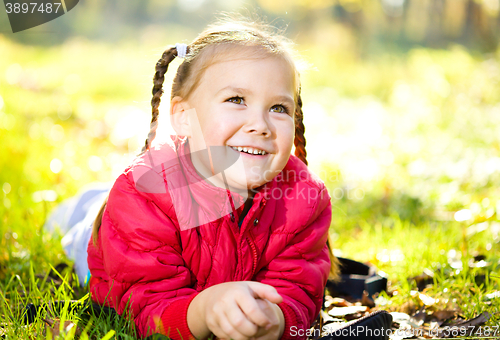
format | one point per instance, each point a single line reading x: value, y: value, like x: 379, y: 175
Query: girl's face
x: 246, y: 105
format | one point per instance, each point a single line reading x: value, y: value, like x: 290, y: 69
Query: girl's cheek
x: 286, y: 134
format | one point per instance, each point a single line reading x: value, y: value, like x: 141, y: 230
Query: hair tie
x: 181, y: 50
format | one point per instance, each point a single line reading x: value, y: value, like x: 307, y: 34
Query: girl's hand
x: 232, y: 310
x: 274, y: 331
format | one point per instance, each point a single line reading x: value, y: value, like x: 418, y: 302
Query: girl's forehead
x: 269, y: 71
x: 241, y: 60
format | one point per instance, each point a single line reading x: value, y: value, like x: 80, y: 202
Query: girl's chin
x: 243, y: 185
x: 249, y: 179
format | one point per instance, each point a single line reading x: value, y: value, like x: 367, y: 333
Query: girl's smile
x: 249, y: 150
x: 247, y: 105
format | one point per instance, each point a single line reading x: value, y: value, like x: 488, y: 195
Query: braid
x: 158, y: 79
x: 300, y: 140
x: 300, y: 152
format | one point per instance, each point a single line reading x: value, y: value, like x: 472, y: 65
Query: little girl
x: 220, y: 230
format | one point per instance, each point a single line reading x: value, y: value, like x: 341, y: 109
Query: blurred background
x: 401, y: 104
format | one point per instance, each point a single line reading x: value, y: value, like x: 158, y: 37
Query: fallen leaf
x: 479, y: 320
x: 408, y: 307
x: 337, y: 302
x: 366, y: 300
x: 404, y: 320
x: 435, y: 324
x: 464, y: 328
x: 399, y: 317
x: 343, y: 311
x: 355, y: 316
x: 327, y: 318
x: 53, y: 327
x: 426, y: 299
x: 444, y: 314
x: 424, y: 279
x: 419, y: 317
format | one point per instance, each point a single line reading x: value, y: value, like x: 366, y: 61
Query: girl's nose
x: 258, y: 123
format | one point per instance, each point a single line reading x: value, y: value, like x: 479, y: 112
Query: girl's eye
x: 279, y: 109
x: 236, y: 100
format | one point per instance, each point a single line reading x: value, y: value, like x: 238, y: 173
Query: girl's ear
x: 179, y: 117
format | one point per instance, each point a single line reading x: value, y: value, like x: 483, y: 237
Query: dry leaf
x: 399, y: 317
x: 444, y: 314
x: 479, y: 320
x: 408, y: 307
x: 336, y: 302
x: 424, y: 279
x: 366, y: 300
x: 327, y: 318
x: 426, y: 299
x: 460, y: 329
x: 53, y: 326
x: 343, y: 311
x: 419, y: 317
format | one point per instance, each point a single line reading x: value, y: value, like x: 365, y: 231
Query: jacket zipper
x: 254, y: 252
x: 254, y: 248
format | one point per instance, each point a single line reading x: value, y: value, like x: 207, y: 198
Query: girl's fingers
x: 212, y: 321
x: 240, y: 321
x: 214, y: 327
x: 221, y: 328
x: 229, y: 331
x: 253, y: 311
x: 264, y: 291
x: 234, y: 331
x: 268, y: 309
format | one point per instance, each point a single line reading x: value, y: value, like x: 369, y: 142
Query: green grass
x: 436, y: 155
x: 403, y: 250
x: 87, y: 324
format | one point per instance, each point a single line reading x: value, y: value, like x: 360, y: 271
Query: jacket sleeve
x: 300, y: 271
x: 142, y: 262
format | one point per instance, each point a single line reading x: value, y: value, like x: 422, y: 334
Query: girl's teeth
x: 251, y: 151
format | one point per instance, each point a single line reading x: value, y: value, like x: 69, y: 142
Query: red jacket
x: 145, y: 259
